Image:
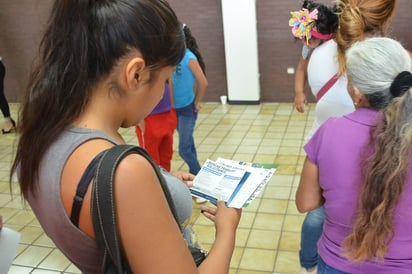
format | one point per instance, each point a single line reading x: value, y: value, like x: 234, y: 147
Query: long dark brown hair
x: 83, y: 41
x: 191, y: 44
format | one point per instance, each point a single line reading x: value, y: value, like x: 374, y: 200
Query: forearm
x: 200, y: 91
x: 218, y: 259
x: 301, y: 76
x: 300, y: 80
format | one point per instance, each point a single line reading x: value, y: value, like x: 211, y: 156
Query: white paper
x: 216, y: 181
x: 252, y: 186
x: 238, y: 183
x: 9, y: 240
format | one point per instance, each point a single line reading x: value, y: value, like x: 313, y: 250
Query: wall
x: 21, y: 23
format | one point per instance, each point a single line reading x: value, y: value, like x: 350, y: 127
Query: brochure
x: 237, y: 183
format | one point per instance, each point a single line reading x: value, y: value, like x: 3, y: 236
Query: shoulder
x: 326, y: 49
x: 190, y: 55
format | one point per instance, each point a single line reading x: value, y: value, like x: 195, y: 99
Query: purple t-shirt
x: 336, y: 149
x: 165, y: 104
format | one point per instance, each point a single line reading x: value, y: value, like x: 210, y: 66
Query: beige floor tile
x: 55, y: 261
x: 264, y: 239
x: 24, y: 217
x: 44, y: 271
x: 247, y: 219
x: 72, y: 269
x: 33, y: 256
x: 272, y: 192
x: 43, y: 240
x: 274, y: 206
x: 242, y: 237
x: 29, y: 234
x: 14, y: 269
x: 293, y: 223
x: 258, y: 259
x: 289, y: 241
x: 287, y: 262
x: 269, y: 221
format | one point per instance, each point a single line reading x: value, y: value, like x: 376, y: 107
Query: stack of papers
x: 237, y: 183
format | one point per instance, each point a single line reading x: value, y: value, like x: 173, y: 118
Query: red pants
x: 157, y: 137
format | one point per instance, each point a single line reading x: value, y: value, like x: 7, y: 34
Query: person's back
x: 48, y: 207
x: 340, y: 161
x: 184, y: 82
x: 323, y: 65
x: 358, y: 167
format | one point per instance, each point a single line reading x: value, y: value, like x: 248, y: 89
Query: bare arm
x: 150, y: 236
x: 309, y: 193
x: 201, y: 82
x: 300, y: 81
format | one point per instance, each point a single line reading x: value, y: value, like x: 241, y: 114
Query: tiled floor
x: 269, y: 231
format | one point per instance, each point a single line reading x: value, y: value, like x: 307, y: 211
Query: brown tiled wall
x: 21, y: 23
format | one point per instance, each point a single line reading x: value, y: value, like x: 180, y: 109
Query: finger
x: 189, y: 183
x: 208, y: 209
x: 209, y: 216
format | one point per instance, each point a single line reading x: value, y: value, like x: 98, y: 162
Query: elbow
x: 301, y: 207
x: 307, y: 205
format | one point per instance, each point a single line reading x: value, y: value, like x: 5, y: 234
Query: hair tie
x: 321, y: 36
x: 401, y: 83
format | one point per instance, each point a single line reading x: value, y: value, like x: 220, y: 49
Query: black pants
x: 4, y: 105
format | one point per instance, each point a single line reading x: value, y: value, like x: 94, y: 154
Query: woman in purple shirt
x: 359, y: 167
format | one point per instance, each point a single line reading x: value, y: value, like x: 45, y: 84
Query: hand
x: 185, y: 177
x: 197, y: 106
x: 223, y: 217
x: 300, y: 102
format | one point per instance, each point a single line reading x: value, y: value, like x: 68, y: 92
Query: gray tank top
x: 47, y: 205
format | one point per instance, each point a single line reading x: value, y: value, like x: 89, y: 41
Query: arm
x: 150, y: 236
x: 309, y: 193
x: 218, y: 260
x: 300, y: 81
x: 201, y: 82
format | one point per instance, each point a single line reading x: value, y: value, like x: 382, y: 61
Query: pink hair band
x: 318, y: 35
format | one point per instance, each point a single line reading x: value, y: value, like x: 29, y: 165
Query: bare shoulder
x: 147, y: 228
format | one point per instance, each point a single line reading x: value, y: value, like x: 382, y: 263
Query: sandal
x: 12, y: 129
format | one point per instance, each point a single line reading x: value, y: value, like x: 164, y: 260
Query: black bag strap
x: 82, y: 188
x: 103, y: 206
